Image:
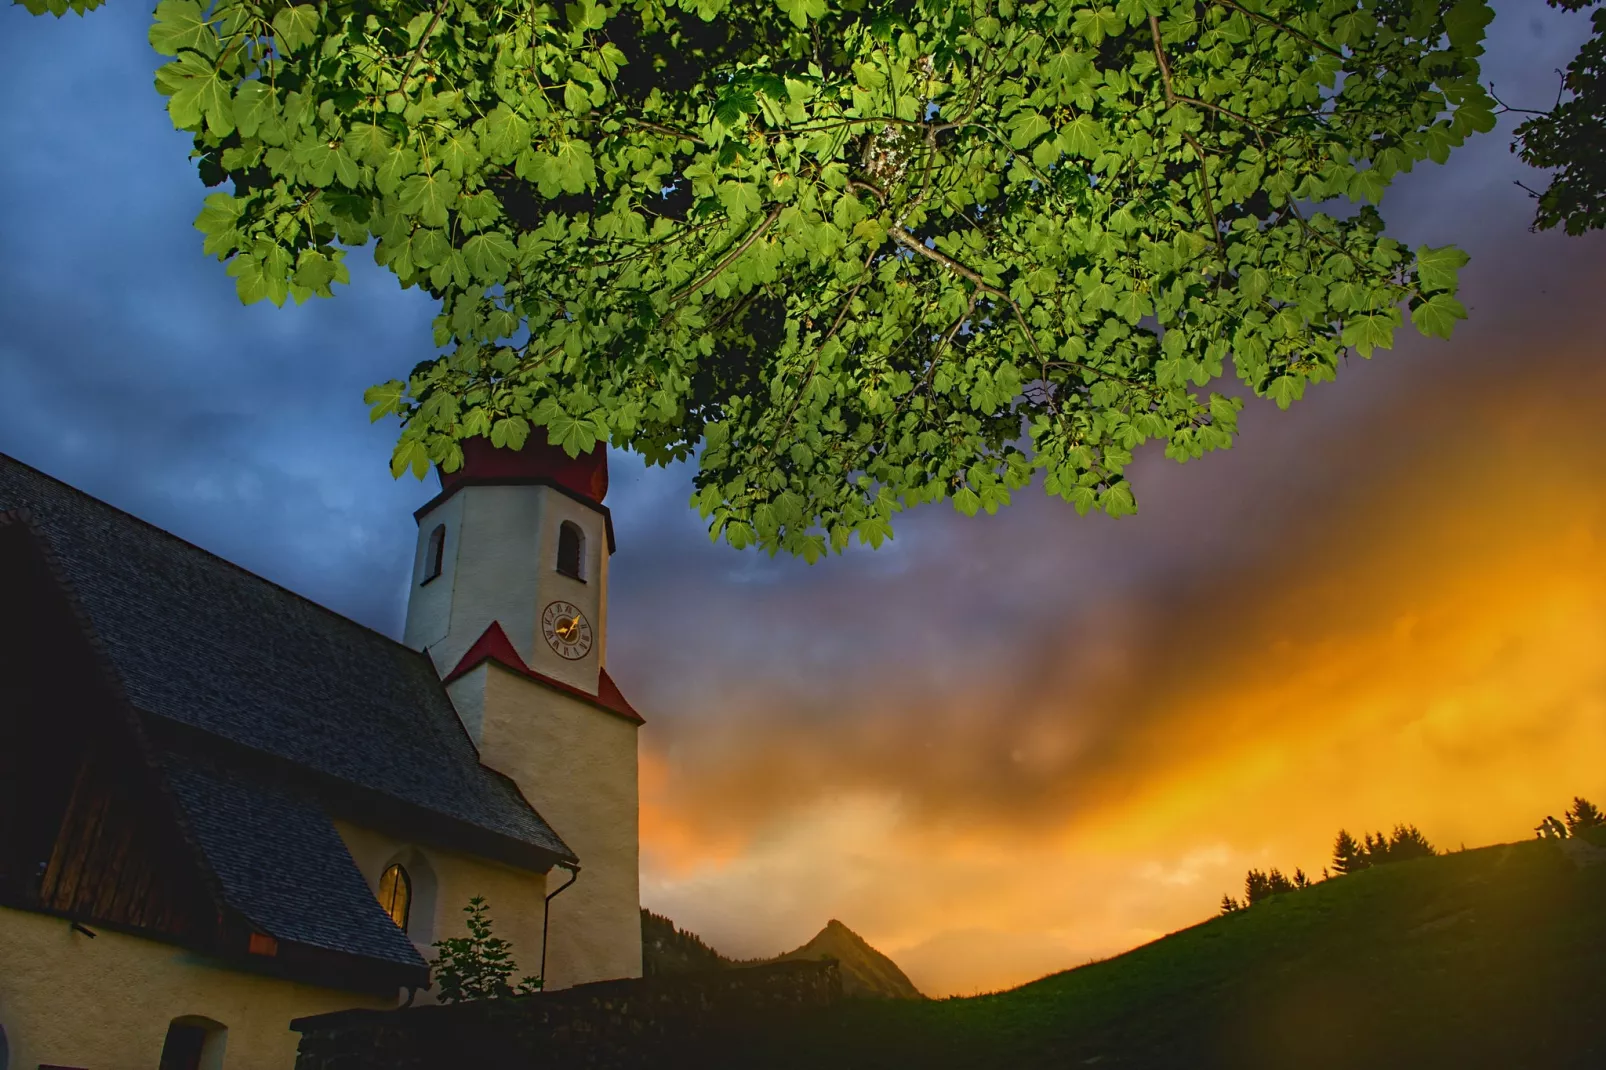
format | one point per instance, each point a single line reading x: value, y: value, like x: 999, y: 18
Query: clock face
x: 566, y: 629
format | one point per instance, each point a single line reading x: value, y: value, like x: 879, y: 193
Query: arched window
x: 571, y: 549
x: 194, y: 1043
x: 406, y: 891
x: 435, y: 553
x: 396, y: 894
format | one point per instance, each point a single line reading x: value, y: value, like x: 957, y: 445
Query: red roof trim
x: 494, y: 646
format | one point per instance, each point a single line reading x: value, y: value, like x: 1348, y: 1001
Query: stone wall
x: 606, y: 1025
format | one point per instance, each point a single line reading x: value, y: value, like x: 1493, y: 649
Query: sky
x: 998, y: 746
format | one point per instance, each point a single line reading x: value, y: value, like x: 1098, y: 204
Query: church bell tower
x: 520, y: 538
x: 509, y: 598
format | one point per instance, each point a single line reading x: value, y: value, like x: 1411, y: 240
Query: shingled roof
x: 196, y: 641
x: 282, y: 865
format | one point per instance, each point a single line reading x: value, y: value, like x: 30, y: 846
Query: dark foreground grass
x: 1491, y: 958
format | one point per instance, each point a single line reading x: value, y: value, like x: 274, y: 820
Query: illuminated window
x: 396, y: 895
x: 435, y: 554
x: 571, y: 545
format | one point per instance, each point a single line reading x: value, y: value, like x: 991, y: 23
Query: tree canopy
x: 853, y: 255
x: 1571, y: 137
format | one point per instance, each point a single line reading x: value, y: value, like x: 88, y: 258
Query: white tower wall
x: 573, y: 759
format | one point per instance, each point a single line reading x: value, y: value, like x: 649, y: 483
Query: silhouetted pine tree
x: 1376, y: 849
x: 1258, y: 885
x: 1348, y: 857
x: 1230, y: 905
x: 1407, y: 843
x: 1300, y: 880
x: 1583, y: 815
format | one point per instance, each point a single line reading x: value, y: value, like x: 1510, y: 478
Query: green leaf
x: 1438, y: 269
x: 1285, y: 390
x: 396, y: 164
x: 428, y: 197
x: 1027, y: 127
x: 1082, y: 136
x: 488, y: 256
x: 295, y: 27
x: 179, y: 24
x: 368, y: 143
x: 510, y: 432
x: 1368, y: 185
x: 1465, y: 22
x: 801, y: 11
x: 1371, y: 330
x: 1118, y: 501
x: 1436, y: 316
x: 254, y: 103
x: 576, y: 436
x: 201, y: 94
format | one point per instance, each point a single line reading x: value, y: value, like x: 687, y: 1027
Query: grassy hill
x: 1490, y: 958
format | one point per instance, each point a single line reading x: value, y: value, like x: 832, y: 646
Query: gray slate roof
x: 283, y: 866
x: 199, y: 641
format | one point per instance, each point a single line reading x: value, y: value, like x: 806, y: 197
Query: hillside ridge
x: 668, y: 949
x: 1481, y: 959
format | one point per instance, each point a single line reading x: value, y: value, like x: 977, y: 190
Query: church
x: 224, y: 807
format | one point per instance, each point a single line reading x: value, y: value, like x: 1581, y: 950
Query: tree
x: 1406, y: 843
x: 479, y: 965
x: 1259, y: 886
x: 853, y: 255
x: 1583, y: 815
x: 1571, y: 137
x: 1229, y: 905
x: 1348, y: 856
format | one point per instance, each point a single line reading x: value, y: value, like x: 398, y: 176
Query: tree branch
x: 1258, y: 17
x: 1173, y: 97
x: 440, y: 9
x: 747, y: 243
x: 910, y: 242
x: 1210, y: 206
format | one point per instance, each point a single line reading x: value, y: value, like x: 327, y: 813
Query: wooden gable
x: 87, y: 830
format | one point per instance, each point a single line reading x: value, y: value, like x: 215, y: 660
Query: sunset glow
x: 1425, y: 644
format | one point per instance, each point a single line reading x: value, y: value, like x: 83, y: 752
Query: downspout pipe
x: 546, y: 912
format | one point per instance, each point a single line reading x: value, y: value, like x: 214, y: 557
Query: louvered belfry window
x: 570, y: 544
x: 396, y: 895
x: 436, y: 554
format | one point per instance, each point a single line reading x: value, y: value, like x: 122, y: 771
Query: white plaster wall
x: 105, y: 1003
x: 467, y: 693
x: 513, y: 897
x: 577, y: 766
x: 590, y: 594
x: 429, y: 605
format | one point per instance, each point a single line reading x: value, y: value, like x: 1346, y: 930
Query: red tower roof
x: 494, y: 645
x: 585, y: 475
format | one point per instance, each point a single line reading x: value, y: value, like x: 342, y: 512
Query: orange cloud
x: 1420, y: 636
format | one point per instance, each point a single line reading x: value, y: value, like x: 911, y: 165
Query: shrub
x: 479, y: 965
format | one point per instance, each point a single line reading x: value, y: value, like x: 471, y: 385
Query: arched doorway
x: 194, y: 1043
